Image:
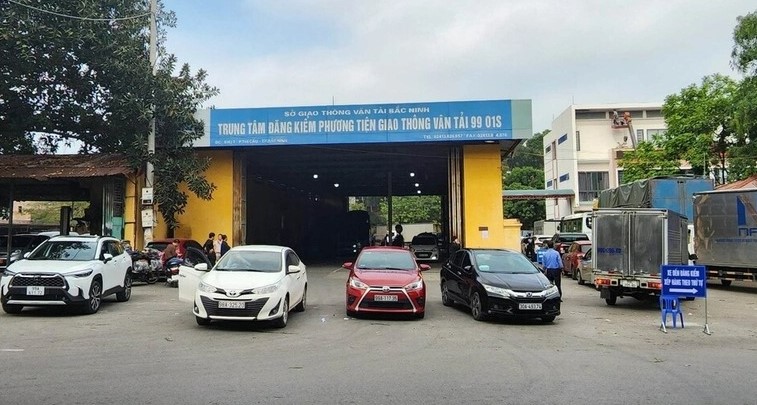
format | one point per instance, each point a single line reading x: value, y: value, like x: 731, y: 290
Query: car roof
x: 170, y: 240
x: 82, y: 238
x: 491, y: 249
x: 261, y: 248
x: 385, y: 248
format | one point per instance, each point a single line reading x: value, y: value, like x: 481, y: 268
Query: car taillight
x: 602, y: 281
x: 654, y: 284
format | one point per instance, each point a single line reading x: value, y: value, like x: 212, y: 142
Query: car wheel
x: 92, y: 305
x: 12, y: 308
x: 612, y: 299
x: 548, y: 319
x: 301, y: 306
x: 351, y: 314
x: 446, y: 300
x: 580, y: 279
x: 202, y: 321
x: 476, y: 307
x: 152, y: 278
x: 726, y: 283
x: 125, y: 294
x: 281, y: 321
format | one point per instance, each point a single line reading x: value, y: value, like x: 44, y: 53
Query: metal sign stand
x: 706, y: 323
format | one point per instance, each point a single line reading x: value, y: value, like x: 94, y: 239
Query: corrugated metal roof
x: 44, y: 167
x: 536, y: 194
x: 749, y: 182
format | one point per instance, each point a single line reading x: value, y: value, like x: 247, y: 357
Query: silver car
x: 425, y: 247
x: 585, y: 273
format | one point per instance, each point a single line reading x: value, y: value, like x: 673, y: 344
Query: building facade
x: 584, y: 147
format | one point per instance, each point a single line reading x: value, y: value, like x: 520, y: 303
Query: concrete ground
x: 150, y: 351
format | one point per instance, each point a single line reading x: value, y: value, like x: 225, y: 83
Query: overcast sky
x: 291, y: 53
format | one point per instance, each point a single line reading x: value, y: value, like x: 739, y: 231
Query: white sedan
x: 248, y: 283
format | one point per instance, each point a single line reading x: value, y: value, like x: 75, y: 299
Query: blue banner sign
x: 684, y: 281
x: 376, y: 123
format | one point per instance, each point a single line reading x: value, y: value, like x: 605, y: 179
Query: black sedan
x: 498, y: 282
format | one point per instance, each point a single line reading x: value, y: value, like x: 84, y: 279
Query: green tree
x: 649, y: 159
x: 742, y: 157
x: 527, y: 211
x: 89, y: 82
x: 529, y: 153
x: 414, y: 209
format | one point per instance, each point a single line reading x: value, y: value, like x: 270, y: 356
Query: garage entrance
x: 298, y: 195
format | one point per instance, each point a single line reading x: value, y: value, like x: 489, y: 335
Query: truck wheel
x: 612, y: 300
x: 726, y: 283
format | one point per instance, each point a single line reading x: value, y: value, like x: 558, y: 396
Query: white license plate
x: 231, y: 304
x: 530, y: 306
x: 35, y: 290
x: 385, y: 298
x: 629, y: 283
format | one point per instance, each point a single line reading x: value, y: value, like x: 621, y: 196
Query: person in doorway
x: 170, y: 251
x: 553, y: 266
x: 209, y: 249
x: 224, y: 245
x: 454, y: 246
x: 531, y: 249
x: 398, y: 239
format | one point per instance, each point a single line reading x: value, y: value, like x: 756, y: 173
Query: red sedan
x: 386, y: 280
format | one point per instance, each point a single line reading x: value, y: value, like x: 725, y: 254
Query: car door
x: 123, y: 262
x: 455, y: 275
x: 297, y: 280
x: 110, y: 267
x: 467, y: 279
x: 189, y: 279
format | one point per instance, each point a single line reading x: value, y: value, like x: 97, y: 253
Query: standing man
x: 398, y: 240
x: 553, y: 266
x: 217, y: 246
x: 209, y: 249
x: 224, y: 245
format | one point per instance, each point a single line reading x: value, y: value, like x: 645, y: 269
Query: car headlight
x: 504, y: 292
x: 204, y: 287
x: 354, y: 282
x: 8, y: 273
x: 268, y: 289
x: 552, y: 290
x: 81, y: 274
x: 415, y: 285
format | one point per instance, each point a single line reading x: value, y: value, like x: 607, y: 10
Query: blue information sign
x: 684, y: 281
x: 489, y: 120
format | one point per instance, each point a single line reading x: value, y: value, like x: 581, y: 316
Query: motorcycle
x: 172, y: 271
x: 141, y: 267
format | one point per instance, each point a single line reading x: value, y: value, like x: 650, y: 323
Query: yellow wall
x: 132, y: 220
x: 512, y: 234
x: 482, y: 197
x: 203, y: 216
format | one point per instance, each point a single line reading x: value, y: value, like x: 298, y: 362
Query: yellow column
x: 215, y: 215
x: 483, y: 225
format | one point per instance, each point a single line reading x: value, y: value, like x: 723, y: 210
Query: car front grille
x: 54, y: 295
x: 38, y: 281
x: 402, y: 303
x: 251, y: 308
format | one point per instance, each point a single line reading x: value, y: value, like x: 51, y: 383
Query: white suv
x: 68, y: 270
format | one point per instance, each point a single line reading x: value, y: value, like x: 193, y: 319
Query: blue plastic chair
x: 670, y: 304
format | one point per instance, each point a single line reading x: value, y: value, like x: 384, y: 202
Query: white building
x: 582, y: 151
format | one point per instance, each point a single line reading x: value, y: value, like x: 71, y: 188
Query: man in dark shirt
x: 398, y: 240
x: 209, y: 248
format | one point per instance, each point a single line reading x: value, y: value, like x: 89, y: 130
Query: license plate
x: 629, y: 283
x: 385, y: 298
x: 35, y: 290
x: 530, y: 306
x: 231, y: 304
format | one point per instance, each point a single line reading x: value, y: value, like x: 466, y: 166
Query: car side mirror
x: 425, y: 267
x: 201, y: 266
x: 107, y: 257
x: 348, y: 265
x: 468, y: 269
x: 293, y: 269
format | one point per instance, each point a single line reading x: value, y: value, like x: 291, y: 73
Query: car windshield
x: 573, y: 238
x: 585, y: 248
x: 501, y: 261
x: 17, y: 241
x: 250, y: 260
x: 157, y: 245
x: 65, y: 250
x: 424, y: 240
x: 385, y: 260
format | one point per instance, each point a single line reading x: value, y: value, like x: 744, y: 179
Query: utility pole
x: 148, y: 207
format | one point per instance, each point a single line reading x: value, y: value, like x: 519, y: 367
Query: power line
x: 77, y: 17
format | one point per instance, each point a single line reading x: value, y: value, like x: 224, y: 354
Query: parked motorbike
x: 172, y: 271
x: 141, y: 267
